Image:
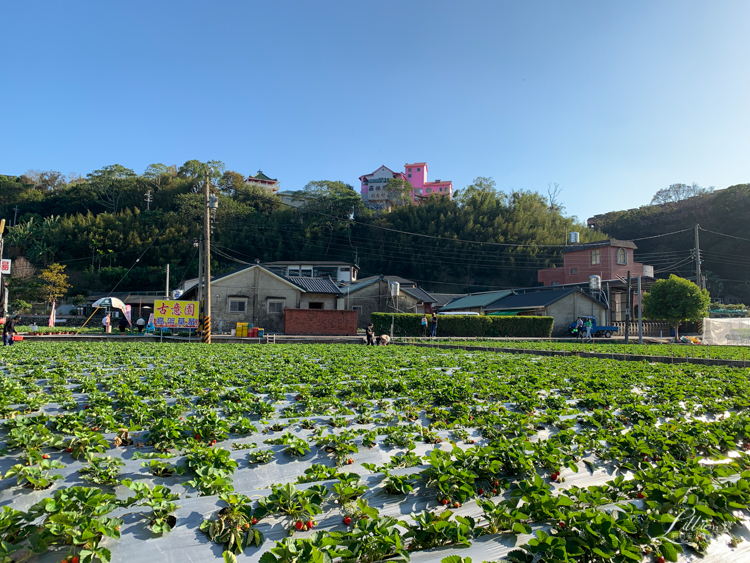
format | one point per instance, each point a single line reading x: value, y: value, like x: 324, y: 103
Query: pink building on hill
x: 375, y: 195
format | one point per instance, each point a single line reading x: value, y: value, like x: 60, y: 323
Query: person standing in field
x: 370, y: 335
x: 433, y: 331
x: 9, y: 329
x: 588, y: 329
x: 423, y: 322
x: 141, y: 324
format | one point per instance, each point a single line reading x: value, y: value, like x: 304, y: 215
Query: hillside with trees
x: 106, y: 234
x: 724, y: 236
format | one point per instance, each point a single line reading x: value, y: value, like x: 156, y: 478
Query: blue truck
x: 596, y: 330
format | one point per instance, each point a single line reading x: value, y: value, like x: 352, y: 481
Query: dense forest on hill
x: 724, y: 237
x: 99, y: 225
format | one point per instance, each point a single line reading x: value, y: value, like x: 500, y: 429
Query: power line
x: 724, y: 235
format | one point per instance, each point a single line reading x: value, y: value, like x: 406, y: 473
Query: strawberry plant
x: 234, y: 525
x: 260, y: 456
x: 102, y: 470
x: 161, y: 501
x: 162, y: 468
x: 35, y: 477
x: 297, y: 505
x: 433, y: 530
x: 348, y: 488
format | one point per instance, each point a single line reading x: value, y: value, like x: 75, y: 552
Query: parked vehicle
x: 596, y: 330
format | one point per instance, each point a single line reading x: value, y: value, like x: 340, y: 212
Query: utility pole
x: 206, y: 336
x: 627, y: 313
x: 3, y: 291
x: 149, y: 199
x: 698, y: 279
x: 640, y: 312
x: 166, y: 291
x: 15, y: 214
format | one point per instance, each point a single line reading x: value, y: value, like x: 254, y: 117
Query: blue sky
x: 612, y: 100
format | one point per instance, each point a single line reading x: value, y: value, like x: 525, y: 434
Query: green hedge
x: 465, y: 325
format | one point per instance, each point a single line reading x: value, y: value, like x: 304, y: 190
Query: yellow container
x: 241, y: 329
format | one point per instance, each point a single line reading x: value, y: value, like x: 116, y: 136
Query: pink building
x: 375, y: 195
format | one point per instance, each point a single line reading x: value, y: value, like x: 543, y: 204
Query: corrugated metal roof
x: 476, y: 300
x: 445, y: 298
x: 536, y: 300
x: 419, y: 294
x: 315, y: 285
x: 347, y: 289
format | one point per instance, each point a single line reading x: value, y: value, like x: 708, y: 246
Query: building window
x: 622, y: 256
x: 292, y: 271
x: 595, y: 258
x: 306, y: 272
x: 429, y: 190
x: 315, y: 305
x: 573, y: 271
x: 408, y: 170
x: 275, y: 306
x: 419, y: 169
x: 555, y: 283
x: 237, y: 305
x: 370, y: 188
x: 357, y: 308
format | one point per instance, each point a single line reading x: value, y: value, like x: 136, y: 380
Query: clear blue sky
x: 612, y: 100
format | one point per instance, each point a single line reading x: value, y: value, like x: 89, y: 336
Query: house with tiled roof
x: 257, y: 295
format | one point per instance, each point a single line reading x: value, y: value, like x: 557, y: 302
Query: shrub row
x: 465, y: 325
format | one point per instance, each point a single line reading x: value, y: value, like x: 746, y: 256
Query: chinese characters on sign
x: 175, y: 314
x: 5, y: 266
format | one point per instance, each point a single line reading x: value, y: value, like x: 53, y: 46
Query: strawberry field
x: 313, y: 453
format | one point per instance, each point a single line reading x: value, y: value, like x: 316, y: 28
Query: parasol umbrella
x: 110, y: 302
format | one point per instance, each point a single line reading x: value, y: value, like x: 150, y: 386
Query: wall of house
x: 375, y: 298
x: 569, y: 308
x: 329, y: 301
x: 580, y: 262
x: 320, y: 323
x: 258, y: 287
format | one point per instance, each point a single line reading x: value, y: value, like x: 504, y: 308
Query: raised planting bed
x: 140, y: 451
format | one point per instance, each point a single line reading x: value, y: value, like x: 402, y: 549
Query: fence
x: 650, y: 328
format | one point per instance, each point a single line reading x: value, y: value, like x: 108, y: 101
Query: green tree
x: 675, y: 300
x: 54, y: 282
x: 111, y: 183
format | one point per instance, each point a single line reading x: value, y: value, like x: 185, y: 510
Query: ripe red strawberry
x: 471, y: 441
x: 456, y: 504
x: 309, y: 524
x: 299, y: 524
x: 481, y: 491
x: 561, y: 525
x: 68, y: 450
x: 347, y: 520
x: 75, y: 559
x: 64, y: 561
x: 661, y: 560
x: 96, y: 429
x: 45, y: 456
x: 364, y: 517
x: 254, y: 520
x: 641, y: 495
x: 494, y: 491
x: 350, y: 461
x: 444, y: 501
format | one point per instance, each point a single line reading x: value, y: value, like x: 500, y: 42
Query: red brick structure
x: 320, y: 322
x: 605, y: 258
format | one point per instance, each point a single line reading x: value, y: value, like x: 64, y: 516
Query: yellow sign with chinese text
x: 175, y: 314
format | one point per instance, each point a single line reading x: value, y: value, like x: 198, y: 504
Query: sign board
x: 175, y: 314
x: 5, y: 266
x: 128, y: 312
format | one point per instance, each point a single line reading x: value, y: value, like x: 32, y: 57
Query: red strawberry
x: 45, y: 456
x: 364, y: 517
x: 254, y: 520
x: 309, y: 524
x: 299, y: 524
x: 661, y: 560
x: 471, y: 441
x: 494, y: 491
x: 456, y: 504
x: 96, y: 430
x: 481, y: 491
x: 350, y: 461
x: 68, y: 450
x: 75, y: 559
x: 347, y: 520
x: 444, y: 501
x: 641, y: 495
x: 561, y: 525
